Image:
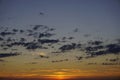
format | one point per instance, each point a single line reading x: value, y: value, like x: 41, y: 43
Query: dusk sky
x: 59, y: 38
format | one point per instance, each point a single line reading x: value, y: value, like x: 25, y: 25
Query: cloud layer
x: 44, y: 37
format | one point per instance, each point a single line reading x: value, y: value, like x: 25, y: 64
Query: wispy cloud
x: 2, y: 55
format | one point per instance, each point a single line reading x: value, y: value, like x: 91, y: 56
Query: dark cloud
x: 2, y: 55
x: 15, y: 30
x: 51, y: 29
x: 113, y: 59
x: 95, y: 42
x: 101, y: 52
x: 5, y: 48
x: 113, y: 48
x: 97, y: 48
x: 98, y: 53
x: 79, y: 57
x: 43, y: 56
x: 36, y: 43
x: 42, y: 13
x: 6, y: 33
x: 55, y: 61
x: 35, y: 34
x: 31, y: 46
x: 43, y: 41
x: 94, y: 46
x: 45, y: 35
x: 66, y: 39
x: 44, y: 31
x: 16, y: 44
x: 68, y: 47
x: 22, y: 39
x: 95, y: 51
x: 90, y: 48
x: 110, y: 63
x: 36, y: 27
x: 76, y: 30
x: 1, y: 39
x: 71, y: 38
x: 30, y: 31
x: 21, y: 31
x: 27, y: 45
x: 9, y: 39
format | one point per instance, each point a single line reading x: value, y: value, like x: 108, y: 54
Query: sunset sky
x: 59, y: 37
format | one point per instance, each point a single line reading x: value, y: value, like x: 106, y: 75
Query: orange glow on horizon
x: 60, y: 77
x: 61, y: 74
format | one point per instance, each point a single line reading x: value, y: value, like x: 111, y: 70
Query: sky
x: 59, y: 37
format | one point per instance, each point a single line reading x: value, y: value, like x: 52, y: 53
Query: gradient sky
x: 93, y: 24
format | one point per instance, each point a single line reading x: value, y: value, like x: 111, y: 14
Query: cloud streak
x: 3, y: 55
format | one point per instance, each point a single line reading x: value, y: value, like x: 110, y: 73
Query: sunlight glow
x: 60, y: 76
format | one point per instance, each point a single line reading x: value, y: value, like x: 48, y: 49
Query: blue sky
x: 94, y: 16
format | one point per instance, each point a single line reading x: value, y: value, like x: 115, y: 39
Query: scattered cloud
x: 6, y: 33
x: 1, y: 39
x: 69, y: 47
x: 3, y: 55
x: 97, y: 48
x: 55, y: 61
x: 79, y: 57
x: 113, y: 59
x: 113, y: 48
x: 95, y: 42
x: 110, y: 63
x: 42, y: 13
x: 76, y: 30
x: 43, y: 37
x: 37, y: 27
x: 15, y: 30
x: 43, y: 41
